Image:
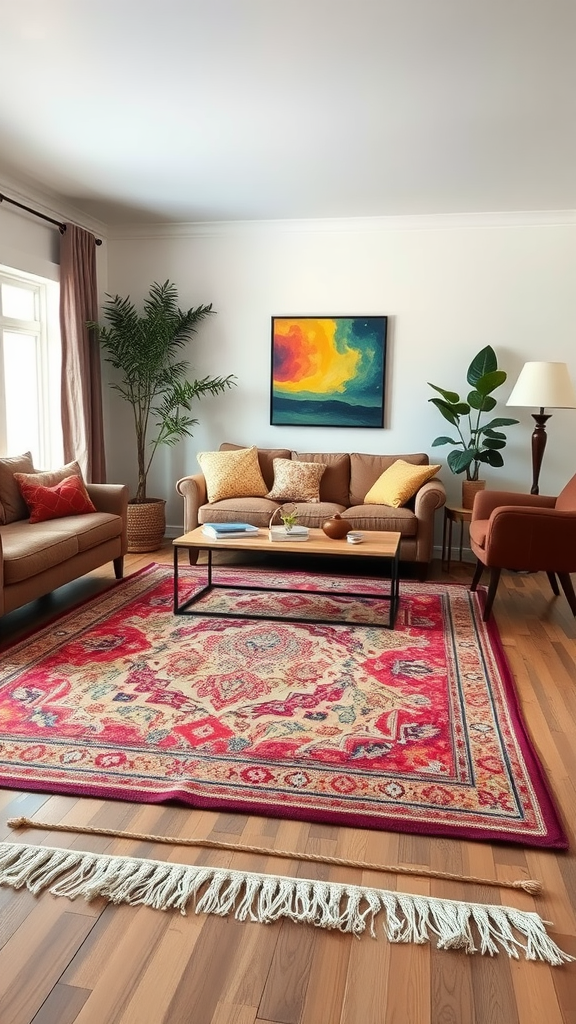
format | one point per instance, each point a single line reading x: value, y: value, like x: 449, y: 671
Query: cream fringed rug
x: 472, y: 927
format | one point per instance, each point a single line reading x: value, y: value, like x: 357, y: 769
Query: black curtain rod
x: 61, y: 227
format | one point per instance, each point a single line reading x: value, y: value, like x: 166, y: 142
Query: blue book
x: 232, y: 527
x: 219, y: 531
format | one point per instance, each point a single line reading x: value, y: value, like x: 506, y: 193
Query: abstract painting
x: 328, y: 371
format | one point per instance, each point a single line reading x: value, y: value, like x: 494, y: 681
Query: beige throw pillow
x: 232, y: 474
x: 296, y: 481
x: 12, y: 504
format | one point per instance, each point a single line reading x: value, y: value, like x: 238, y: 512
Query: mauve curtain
x: 82, y: 424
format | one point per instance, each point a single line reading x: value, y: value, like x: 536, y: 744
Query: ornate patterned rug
x: 415, y: 729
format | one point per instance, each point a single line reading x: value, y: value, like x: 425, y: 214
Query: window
x: 30, y: 362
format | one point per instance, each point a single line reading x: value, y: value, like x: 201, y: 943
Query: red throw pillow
x: 69, y: 497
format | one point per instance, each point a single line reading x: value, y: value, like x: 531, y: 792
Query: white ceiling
x: 195, y: 110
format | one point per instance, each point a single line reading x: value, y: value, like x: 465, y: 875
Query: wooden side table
x: 453, y: 514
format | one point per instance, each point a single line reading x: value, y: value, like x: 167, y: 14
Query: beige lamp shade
x: 544, y: 385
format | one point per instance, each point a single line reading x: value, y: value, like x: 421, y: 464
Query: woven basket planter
x: 470, y: 489
x: 146, y: 525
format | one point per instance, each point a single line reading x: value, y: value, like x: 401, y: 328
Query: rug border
x: 556, y: 837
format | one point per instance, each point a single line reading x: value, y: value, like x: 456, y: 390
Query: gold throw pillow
x: 399, y: 483
x: 232, y: 474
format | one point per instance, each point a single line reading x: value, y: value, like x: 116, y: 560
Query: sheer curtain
x: 82, y: 424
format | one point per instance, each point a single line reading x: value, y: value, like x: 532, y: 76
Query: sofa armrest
x: 193, y: 490
x: 1, y: 577
x: 113, y: 499
x: 429, y: 497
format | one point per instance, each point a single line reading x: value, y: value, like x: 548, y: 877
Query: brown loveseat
x: 343, y: 487
x: 36, y: 558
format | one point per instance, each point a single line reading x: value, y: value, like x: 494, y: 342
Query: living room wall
x: 449, y: 286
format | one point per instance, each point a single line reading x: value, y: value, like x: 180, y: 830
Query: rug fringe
x: 473, y: 927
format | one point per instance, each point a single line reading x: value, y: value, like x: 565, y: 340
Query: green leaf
x: 450, y: 396
x: 500, y: 421
x: 484, y: 362
x: 494, y: 443
x: 459, y: 461
x: 482, y: 403
x: 446, y: 410
x: 490, y: 381
x: 491, y: 457
x: 444, y: 440
x: 488, y: 432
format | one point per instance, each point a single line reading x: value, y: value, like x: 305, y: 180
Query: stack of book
x: 221, y: 531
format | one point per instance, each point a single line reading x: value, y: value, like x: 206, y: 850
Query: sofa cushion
x: 256, y: 511
x: 12, y: 504
x: 335, y: 482
x: 232, y: 474
x: 68, y: 497
x: 28, y: 550
x: 314, y: 514
x: 296, y: 481
x: 382, y: 517
x: 365, y: 470
x: 399, y: 483
x: 266, y: 458
x: 92, y: 530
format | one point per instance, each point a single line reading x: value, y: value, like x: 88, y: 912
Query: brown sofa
x: 343, y: 486
x: 36, y: 558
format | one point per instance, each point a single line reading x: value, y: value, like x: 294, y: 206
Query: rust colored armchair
x: 526, y: 532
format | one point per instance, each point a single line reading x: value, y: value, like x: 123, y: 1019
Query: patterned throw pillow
x: 68, y: 497
x: 399, y: 483
x: 296, y: 481
x: 232, y: 474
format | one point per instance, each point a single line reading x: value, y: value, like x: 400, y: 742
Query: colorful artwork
x: 328, y: 371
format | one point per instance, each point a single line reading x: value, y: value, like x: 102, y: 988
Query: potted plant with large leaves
x: 477, y: 443
x: 144, y: 350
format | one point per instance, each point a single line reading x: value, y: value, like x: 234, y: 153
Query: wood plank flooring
x: 64, y: 962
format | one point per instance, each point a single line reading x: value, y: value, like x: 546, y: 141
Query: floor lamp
x: 542, y: 386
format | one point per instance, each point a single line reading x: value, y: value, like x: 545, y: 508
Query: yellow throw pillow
x: 398, y: 483
x: 296, y: 481
x: 234, y: 474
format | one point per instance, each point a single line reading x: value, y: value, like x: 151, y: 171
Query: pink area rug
x: 415, y: 729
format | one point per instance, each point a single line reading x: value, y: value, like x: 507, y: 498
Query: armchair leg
x: 477, y: 574
x: 119, y: 567
x: 568, y: 589
x: 492, y: 588
x: 553, y: 583
x: 192, y: 556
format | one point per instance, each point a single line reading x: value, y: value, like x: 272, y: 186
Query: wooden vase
x: 470, y: 489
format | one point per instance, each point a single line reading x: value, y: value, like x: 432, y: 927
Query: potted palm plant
x: 144, y: 349
x: 477, y: 443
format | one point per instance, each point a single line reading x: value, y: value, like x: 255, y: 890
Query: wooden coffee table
x: 376, y: 544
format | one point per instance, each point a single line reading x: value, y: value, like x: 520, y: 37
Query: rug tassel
x: 529, y: 885
x: 265, y: 898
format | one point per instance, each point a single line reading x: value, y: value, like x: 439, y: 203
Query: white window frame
x: 46, y: 329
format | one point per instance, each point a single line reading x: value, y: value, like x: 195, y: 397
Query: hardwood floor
x: 65, y: 962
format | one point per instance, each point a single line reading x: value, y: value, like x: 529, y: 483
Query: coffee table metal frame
x: 391, y: 595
